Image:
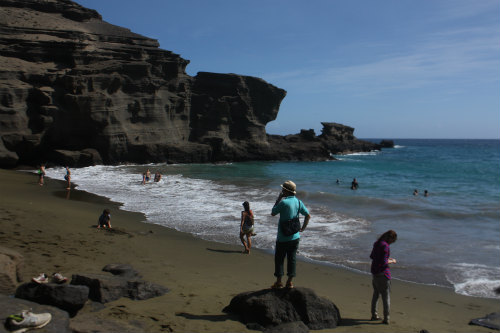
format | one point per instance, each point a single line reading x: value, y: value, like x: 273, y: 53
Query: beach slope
x: 55, y: 232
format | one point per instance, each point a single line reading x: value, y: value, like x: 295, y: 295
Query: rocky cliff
x: 77, y: 90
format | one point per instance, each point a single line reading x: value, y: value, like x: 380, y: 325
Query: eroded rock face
x: 79, y: 91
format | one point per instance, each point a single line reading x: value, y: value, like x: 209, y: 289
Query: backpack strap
x: 298, y: 211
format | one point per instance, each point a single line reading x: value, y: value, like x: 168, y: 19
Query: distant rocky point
x: 77, y: 91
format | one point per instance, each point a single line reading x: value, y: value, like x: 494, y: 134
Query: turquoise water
x: 450, y: 238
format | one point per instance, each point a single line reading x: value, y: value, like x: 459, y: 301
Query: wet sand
x: 55, y: 232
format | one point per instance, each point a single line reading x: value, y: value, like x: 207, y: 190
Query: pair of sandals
x: 279, y: 285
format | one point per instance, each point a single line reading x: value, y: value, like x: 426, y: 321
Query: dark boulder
x: 102, y: 288
x: 141, y: 290
x: 121, y: 270
x: 66, y: 297
x: 108, y: 288
x: 387, y: 143
x: 58, y: 324
x: 270, y: 307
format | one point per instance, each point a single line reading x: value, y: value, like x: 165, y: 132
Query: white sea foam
x: 205, y: 208
x: 211, y: 210
x: 368, y: 153
x: 474, y: 279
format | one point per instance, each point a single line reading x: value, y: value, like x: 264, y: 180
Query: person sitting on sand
x: 381, y: 273
x: 104, y: 219
x: 41, y: 174
x: 67, y: 177
x: 246, y: 226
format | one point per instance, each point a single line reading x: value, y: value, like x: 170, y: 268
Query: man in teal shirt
x: 288, y: 206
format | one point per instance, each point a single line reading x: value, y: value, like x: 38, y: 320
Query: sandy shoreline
x: 56, y: 233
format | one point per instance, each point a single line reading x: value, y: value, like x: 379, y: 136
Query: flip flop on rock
x: 289, y: 285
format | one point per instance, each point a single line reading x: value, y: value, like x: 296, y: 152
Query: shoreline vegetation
x: 55, y: 231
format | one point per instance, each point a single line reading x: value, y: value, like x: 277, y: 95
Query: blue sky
x: 390, y: 69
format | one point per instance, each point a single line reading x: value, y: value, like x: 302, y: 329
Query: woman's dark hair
x: 389, y: 236
x: 246, y: 205
x: 106, y: 211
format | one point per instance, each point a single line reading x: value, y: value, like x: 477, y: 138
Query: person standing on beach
x: 246, y: 226
x: 289, y: 207
x: 67, y: 177
x: 381, y: 273
x: 41, y: 174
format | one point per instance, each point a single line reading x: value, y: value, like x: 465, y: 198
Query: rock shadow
x: 213, y: 318
x: 356, y: 322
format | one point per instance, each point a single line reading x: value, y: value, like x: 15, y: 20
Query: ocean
x: 449, y: 238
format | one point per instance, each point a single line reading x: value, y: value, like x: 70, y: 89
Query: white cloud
x: 455, y: 58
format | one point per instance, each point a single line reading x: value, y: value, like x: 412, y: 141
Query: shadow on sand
x: 214, y: 318
x: 223, y: 251
x: 356, y: 322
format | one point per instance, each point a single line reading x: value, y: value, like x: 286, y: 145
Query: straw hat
x: 289, y: 186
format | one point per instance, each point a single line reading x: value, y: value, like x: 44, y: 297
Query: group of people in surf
x: 426, y: 193
x: 355, y: 186
x: 146, y: 176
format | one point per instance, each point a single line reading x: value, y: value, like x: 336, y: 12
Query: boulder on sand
x: 273, y: 307
x: 64, y: 296
x: 123, y: 281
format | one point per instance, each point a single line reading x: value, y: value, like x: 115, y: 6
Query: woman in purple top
x: 382, y: 273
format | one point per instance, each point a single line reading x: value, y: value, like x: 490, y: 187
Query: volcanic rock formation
x: 76, y: 90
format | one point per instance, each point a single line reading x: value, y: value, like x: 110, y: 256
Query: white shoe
x: 30, y: 321
x: 42, y: 278
x: 58, y: 278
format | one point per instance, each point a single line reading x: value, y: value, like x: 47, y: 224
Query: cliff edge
x: 76, y: 90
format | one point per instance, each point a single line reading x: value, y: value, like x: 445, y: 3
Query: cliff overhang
x: 77, y: 90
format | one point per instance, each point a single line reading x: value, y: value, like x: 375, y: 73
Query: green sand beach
x: 55, y: 232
